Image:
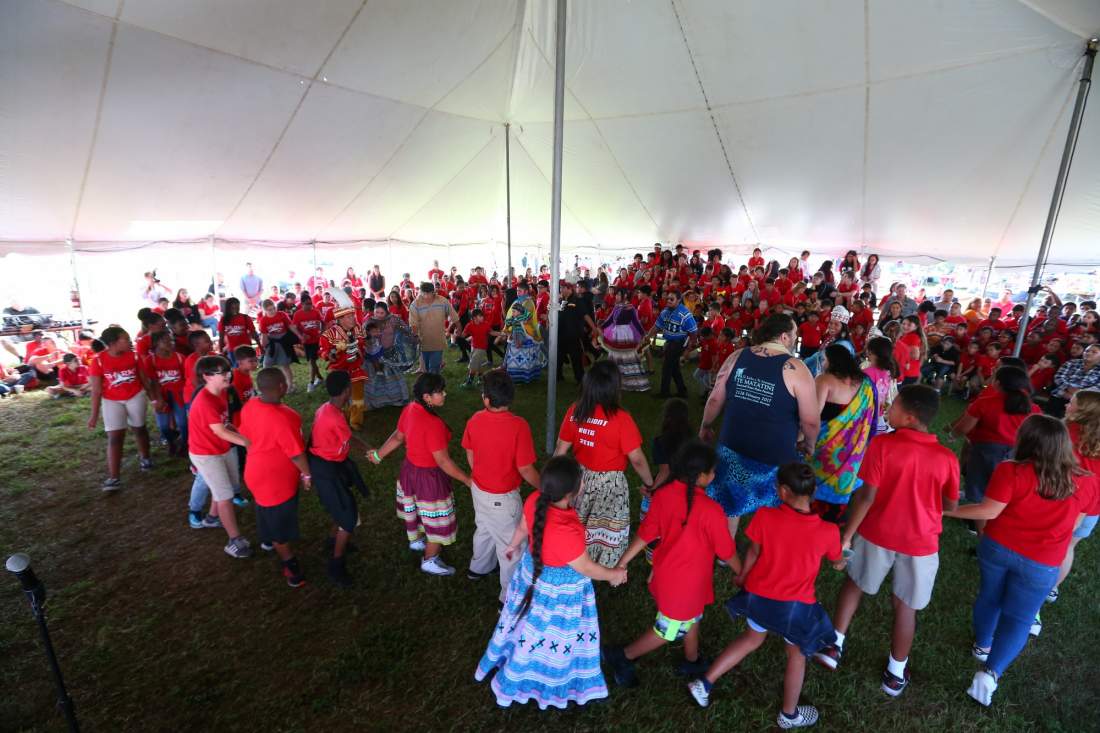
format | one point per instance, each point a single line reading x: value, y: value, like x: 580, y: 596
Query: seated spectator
x: 72, y: 378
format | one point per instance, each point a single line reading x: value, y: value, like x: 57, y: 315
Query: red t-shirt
x: 424, y: 433
x: 238, y: 332
x: 723, y: 352
x: 986, y: 363
x: 309, y: 322
x: 207, y: 409
x: 1089, y: 463
x: 275, y: 326
x: 166, y: 371
x: 276, y: 434
x: 562, y: 535
x: 331, y: 438
x: 601, y: 444
x: 73, y: 378
x: 994, y: 424
x: 913, y: 474
x: 683, y: 564
x: 241, y: 382
x: 997, y: 325
x: 478, y: 333
x: 910, y: 367
x: 791, y: 547
x: 501, y: 443
x: 811, y: 335
x: 707, y: 349
x: 1037, y: 528
x: 190, y: 379
x: 1042, y: 378
x: 208, y: 309
x: 119, y: 373
x: 143, y: 345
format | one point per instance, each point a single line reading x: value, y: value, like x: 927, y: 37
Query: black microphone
x: 20, y: 565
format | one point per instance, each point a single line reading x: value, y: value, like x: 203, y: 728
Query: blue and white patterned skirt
x: 742, y: 485
x: 552, y: 654
x: 524, y: 362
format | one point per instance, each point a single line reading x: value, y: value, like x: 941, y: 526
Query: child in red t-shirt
x: 276, y: 462
x: 781, y: 566
x: 164, y: 368
x: 334, y: 473
x: 120, y: 390
x: 478, y: 330
x: 277, y: 338
x: 550, y: 598
x: 726, y: 346
x: 309, y: 322
x: 236, y: 328
x: 241, y: 389
x: 706, y: 347
x: 73, y: 378
x: 967, y: 378
x: 810, y: 334
x: 909, y: 479
x: 425, y: 500
x: 1042, y: 376
x: 501, y: 454
x: 692, y: 530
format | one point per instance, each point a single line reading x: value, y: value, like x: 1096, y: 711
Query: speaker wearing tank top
x: 768, y: 399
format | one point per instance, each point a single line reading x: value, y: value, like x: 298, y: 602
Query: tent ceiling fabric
x: 905, y: 126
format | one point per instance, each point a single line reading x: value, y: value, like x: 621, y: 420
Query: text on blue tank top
x: 761, y: 415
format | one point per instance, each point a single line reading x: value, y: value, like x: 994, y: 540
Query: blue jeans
x: 433, y: 361
x: 1012, y: 591
x: 212, y: 324
x: 164, y: 422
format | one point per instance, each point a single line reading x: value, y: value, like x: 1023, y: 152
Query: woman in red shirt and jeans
x: 1032, y: 505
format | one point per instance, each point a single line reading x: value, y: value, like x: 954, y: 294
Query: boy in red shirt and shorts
x: 334, y: 473
x: 121, y: 390
x: 501, y: 454
x: 276, y: 462
x: 909, y: 479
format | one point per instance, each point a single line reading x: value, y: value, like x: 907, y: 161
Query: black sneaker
x: 693, y: 670
x: 472, y: 575
x: 893, y: 685
x: 622, y: 669
x: 338, y: 572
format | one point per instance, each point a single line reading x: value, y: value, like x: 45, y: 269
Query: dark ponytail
x: 694, y: 459
x: 1016, y: 386
x: 560, y: 477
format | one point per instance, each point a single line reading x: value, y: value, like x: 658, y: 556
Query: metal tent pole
x: 508, y: 197
x: 214, y: 271
x: 78, y: 300
x: 988, y: 276
x: 555, y: 231
x: 1059, y: 186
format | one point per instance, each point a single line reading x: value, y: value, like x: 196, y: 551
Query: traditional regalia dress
x: 396, y: 353
x: 343, y: 350
x: 524, y: 358
x: 620, y: 335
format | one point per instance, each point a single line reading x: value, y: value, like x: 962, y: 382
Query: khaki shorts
x: 221, y: 473
x: 913, y: 576
x: 118, y: 414
x: 479, y: 359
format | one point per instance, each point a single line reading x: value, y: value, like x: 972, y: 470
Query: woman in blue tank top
x: 769, y: 405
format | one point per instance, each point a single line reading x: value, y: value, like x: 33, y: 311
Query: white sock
x: 840, y: 640
x: 897, y: 668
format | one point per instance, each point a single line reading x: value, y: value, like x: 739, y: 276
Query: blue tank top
x: 761, y: 415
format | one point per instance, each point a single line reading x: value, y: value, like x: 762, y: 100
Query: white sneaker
x: 982, y: 655
x: 418, y: 545
x: 982, y: 687
x: 435, y: 566
x: 806, y: 715
x: 699, y: 693
x: 311, y: 386
x: 19, y: 389
x: 1036, y: 626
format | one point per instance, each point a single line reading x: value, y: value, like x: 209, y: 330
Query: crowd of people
x: 819, y: 395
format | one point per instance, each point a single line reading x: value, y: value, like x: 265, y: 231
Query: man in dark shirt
x: 573, y: 317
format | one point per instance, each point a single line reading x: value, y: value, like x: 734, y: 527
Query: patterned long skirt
x: 604, y: 508
x: 629, y: 362
x: 742, y: 485
x: 425, y: 503
x: 551, y: 654
x: 524, y: 362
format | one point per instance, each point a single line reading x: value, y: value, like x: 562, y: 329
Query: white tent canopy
x: 901, y: 126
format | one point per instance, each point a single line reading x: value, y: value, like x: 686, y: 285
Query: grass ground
x: 157, y: 629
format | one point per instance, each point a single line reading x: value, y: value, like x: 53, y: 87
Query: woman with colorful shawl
x: 524, y: 358
x: 847, y: 400
x: 394, y: 354
x: 621, y: 334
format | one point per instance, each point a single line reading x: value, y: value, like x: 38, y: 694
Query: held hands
x: 511, y: 551
x: 373, y: 456
x: 618, y: 576
x: 845, y: 554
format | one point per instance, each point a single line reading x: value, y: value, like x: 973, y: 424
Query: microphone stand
x: 20, y: 565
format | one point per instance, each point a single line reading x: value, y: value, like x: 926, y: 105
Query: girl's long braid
x: 690, y: 495
x: 542, y: 506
